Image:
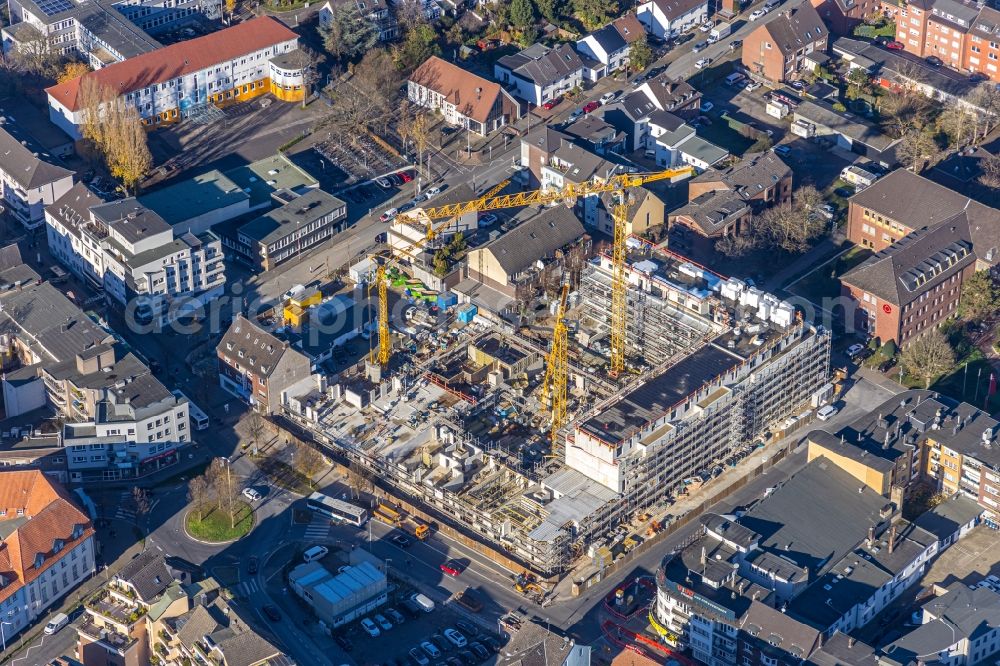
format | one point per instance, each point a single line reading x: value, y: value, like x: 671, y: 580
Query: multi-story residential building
x: 538, y: 73
x: 259, y: 368
x: 707, y: 219
x: 375, y: 11
x: 515, y: 265
x: 464, y: 99
x: 284, y: 233
x: 958, y: 628
x: 234, y: 64
x: 760, y: 179
x: 675, y: 143
x: 46, y: 550
x: 668, y: 18
x: 842, y: 16
x: 606, y: 50
x: 138, y: 427
x: 668, y: 94
x: 29, y: 182
x: 963, y: 35
x: 902, y: 202
x: 132, y: 254
x: 913, y: 285
x: 144, y: 616
x: 778, y: 49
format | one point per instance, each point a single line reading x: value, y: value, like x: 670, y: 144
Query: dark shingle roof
x: 915, y: 263
x: 750, y: 176
x: 781, y: 631
x: 712, y: 210
x: 25, y: 167
x: 538, y: 237
x: 609, y: 39
x: 542, y: 65
x: 252, y: 346
x: 302, y: 210
x: 148, y: 574
x: 794, y: 28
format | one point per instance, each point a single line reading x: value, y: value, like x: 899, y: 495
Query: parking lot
x: 404, y: 632
x: 360, y: 156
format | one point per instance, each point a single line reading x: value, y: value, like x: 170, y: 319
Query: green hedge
x: 874, y: 31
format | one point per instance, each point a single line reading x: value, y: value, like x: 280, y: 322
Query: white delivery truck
x: 719, y: 31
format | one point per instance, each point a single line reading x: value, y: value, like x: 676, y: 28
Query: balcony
x: 114, y: 640
x: 115, y: 608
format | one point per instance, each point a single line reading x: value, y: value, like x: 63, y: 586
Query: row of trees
x: 218, y: 489
x: 115, y: 130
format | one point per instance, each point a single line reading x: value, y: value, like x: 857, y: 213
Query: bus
x: 198, y: 418
x: 336, y: 509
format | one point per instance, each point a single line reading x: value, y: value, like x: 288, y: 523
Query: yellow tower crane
x: 557, y: 368
x: 570, y: 192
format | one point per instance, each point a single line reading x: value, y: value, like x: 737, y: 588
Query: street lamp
x: 3, y: 637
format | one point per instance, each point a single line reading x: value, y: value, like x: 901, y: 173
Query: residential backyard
x: 824, y: 281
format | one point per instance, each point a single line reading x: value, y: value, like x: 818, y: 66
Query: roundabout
x: 214, y: 526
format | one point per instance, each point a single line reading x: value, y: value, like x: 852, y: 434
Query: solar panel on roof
x: 51, y: 7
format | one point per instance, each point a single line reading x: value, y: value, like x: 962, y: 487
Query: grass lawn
x: 962, y: 385
x: 823, y: 282
x: 216, y: 526
x: 724, y: 136
x: 285, y: 476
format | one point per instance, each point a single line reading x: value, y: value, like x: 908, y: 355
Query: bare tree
x: 916, y: 147
x: 959, y: 122
x: 226, y: 487
x: 141, y: 498
x: 255, y: 428
x: 34, y: 53
x: 986, y: 97
x: 308, y: 460
x: 990, y: 176
x: 358, y: 478
x: 929, y: 356
x: 792, y: 226
x: 199, y: 494
x: 367, y: 99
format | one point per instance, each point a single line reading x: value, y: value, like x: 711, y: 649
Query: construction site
x: 564, y: 437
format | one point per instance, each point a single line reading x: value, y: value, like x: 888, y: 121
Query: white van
x: 57, y: 623
x: 734, y: 78
x: 314, y: 553
x: 826, y: 412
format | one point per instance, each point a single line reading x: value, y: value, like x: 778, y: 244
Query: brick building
x: 257, y: 367
x: 760, y: 179
x: 913, y: 285
x: 903, y: 202
x: 841, y: 16
x: 964, y: 35
x: 777, y: 50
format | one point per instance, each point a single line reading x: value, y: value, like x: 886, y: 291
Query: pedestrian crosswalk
x: 319, y: 528
x: 127, y: 508
x: 247, y: 588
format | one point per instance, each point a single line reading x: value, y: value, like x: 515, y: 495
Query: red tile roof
x: 50, y: 515
x: 473, y: 96
x: 178, y: 59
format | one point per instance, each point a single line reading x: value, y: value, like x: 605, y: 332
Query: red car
x: 452, y: 567
x: 894, y: 46
x: 406, y: 176
x: 552, y: 103
x: 591, y: 106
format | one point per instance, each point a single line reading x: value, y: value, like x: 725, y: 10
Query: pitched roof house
x: 539, y: 73
x: 606, y: 49
x: 668, y: 18
x: 778, y: 49
x: 463, y: 98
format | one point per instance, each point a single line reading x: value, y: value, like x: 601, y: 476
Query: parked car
x: 826, y: 412
x: 703, y: 63
x: 452, y: 567
x: 345, y: 643
x: 406, y: 176
x: 480, y: 651
x: 752, y: 85
x: 440, y: 643
x: 782, y: 150
x: 488, y: 219
x: 854, y: 350
x: 272, y: 613
x: 446, y: 130
x: 934, y: 61
x: 887, y: 365
x: 251, y: 494
x: 370, y: 628
x: 492, y: 643
x: 590, y: 107
x: 608, y: 96
x: 552, y: 103
x: 756, y: 14
x: 894, y: 45
x: 575, y: 115
x: 707, y: 26
x: 468, y: 628
x: 456, y: 638
x: 418, y: 657
x: 395, y: 179
x: 314, y: 553
x: 252, y: 565
x: 402, y: 541
x: 388, y: 215
x: 433, y: 191
x: 798, y: 85
x: 735, y: 44
x: 706, y: 107
x: 383, y: 183
x: 432, y: 651
x: 383, y: 622
x: 396, y: 616
x: 700, y: 46
x: 683, y: 39
x: 977, y: 77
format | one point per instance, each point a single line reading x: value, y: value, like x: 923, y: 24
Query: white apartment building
x: 47, y: 548
x: 29, y: 183
x: 239, y: 63
x: 137, y: 428
x: 668, y: 18
x: 132, y: 253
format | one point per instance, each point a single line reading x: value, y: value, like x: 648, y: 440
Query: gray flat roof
x: 194, y: 197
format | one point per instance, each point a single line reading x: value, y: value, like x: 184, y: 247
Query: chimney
x: 871, y: 536
x: 885, y: 443
x: 851, y: 640
x: 892, y: 539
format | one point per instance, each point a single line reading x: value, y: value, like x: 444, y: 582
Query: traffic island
x: 215, y: 526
